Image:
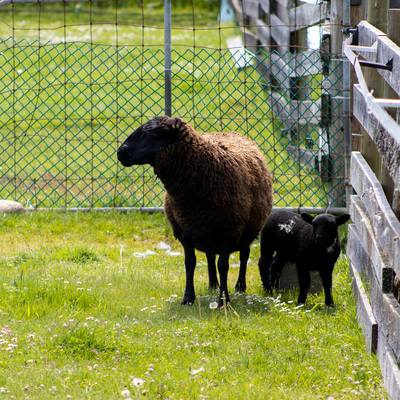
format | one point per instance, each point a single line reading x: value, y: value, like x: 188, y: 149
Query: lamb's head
x: 325, y: 227
x: 141, y: 146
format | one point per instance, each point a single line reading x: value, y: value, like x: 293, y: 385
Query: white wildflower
x: 137, y: 382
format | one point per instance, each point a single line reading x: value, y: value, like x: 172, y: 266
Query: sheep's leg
x: 241, y: 282
x: 190, y: 264
x: 277, y: 264
x: 212, y: 271
x: 223, y: 268
x: 326, y: 277
x: 304, y: 282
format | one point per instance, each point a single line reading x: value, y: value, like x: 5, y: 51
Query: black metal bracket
x: 388, y: 66
x: 354, y: 32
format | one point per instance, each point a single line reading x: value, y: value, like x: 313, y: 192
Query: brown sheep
x: 218, y: 192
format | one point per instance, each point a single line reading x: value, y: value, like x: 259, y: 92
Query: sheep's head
x: 325, y: 227
x: 141, y: 146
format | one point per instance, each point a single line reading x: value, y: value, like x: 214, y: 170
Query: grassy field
x: 90, y: 308
x: 75, y: 84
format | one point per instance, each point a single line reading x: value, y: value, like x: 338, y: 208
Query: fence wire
x: 76, y: 80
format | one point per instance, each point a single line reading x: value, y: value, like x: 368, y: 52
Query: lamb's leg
x: 304, y: 283
x: 326, y: 277
x: 277, y: 264
x: 264, y: 263
x: 212, y: 271
x: 241, y: 282
x: 190, y: 264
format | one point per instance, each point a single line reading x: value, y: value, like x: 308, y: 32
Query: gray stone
x: 289, y: 279
x: 10, y: 206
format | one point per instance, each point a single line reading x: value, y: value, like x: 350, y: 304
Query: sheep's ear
x: 342, y: 219
x: 307, y: 217
x: 177, y: 123
x: 157, y: 127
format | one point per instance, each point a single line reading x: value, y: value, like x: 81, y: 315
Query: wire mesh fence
x: 76, y: 81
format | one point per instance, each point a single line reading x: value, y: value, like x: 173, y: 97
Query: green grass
x: 58, y: 144
x: 83, y: 313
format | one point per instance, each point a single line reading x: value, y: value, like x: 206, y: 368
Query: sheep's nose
x: 120, y: 151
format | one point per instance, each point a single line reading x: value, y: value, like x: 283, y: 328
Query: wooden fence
x: 374, y: 238
x: 291, y: 70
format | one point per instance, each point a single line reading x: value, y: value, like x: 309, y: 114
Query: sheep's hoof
x: 222, y: 306
x: 221, y: 303
x: 187, y: 300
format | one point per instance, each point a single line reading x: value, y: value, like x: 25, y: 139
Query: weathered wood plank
x: 358, y: 254
x: 384, y: 306
x: 280, y: 70
x: 389, y: 368
x: 263, y: 66
x: 282, y: 109
x: 251, y: 8
x: 263, y: 32
x: 306, y: 111
x: 264, y: 4
x: 307, y: 15
x: 387, y: 313
x: 387, y: 143
x: 284, y: 3
x: 280, y: 32
x: 237, y: 8
x: 364, y: 312
x: 282, y: 11
x: 383, y: 273
x: 385, y: 225
x: 251, y: 41
x: 302, y: 156
x: 386, y: 50
x: 241, y: 58
x: 305, y: 63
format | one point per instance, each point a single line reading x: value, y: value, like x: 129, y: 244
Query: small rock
x: 289, y: 279
x: 10, y: 206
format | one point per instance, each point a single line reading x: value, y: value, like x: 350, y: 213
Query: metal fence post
x: 346, y: 105
x: 167, y: 55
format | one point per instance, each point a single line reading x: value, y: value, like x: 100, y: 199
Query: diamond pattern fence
x: 66, y: 108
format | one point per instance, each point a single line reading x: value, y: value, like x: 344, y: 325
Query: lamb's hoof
x: 331, y: 304
x: 267, y: 289
x: 213, y: 286
x: 240, y: 288
x: 187, y: 300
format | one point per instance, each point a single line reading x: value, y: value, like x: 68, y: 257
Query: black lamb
x: 310, y: 242
x: 218, y: 192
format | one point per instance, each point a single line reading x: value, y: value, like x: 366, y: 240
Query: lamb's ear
x: 342, y: 219
x: 307, y: 217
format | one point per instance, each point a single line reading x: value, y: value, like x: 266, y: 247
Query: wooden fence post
x: 393, y: 33
x: 377, y: 16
